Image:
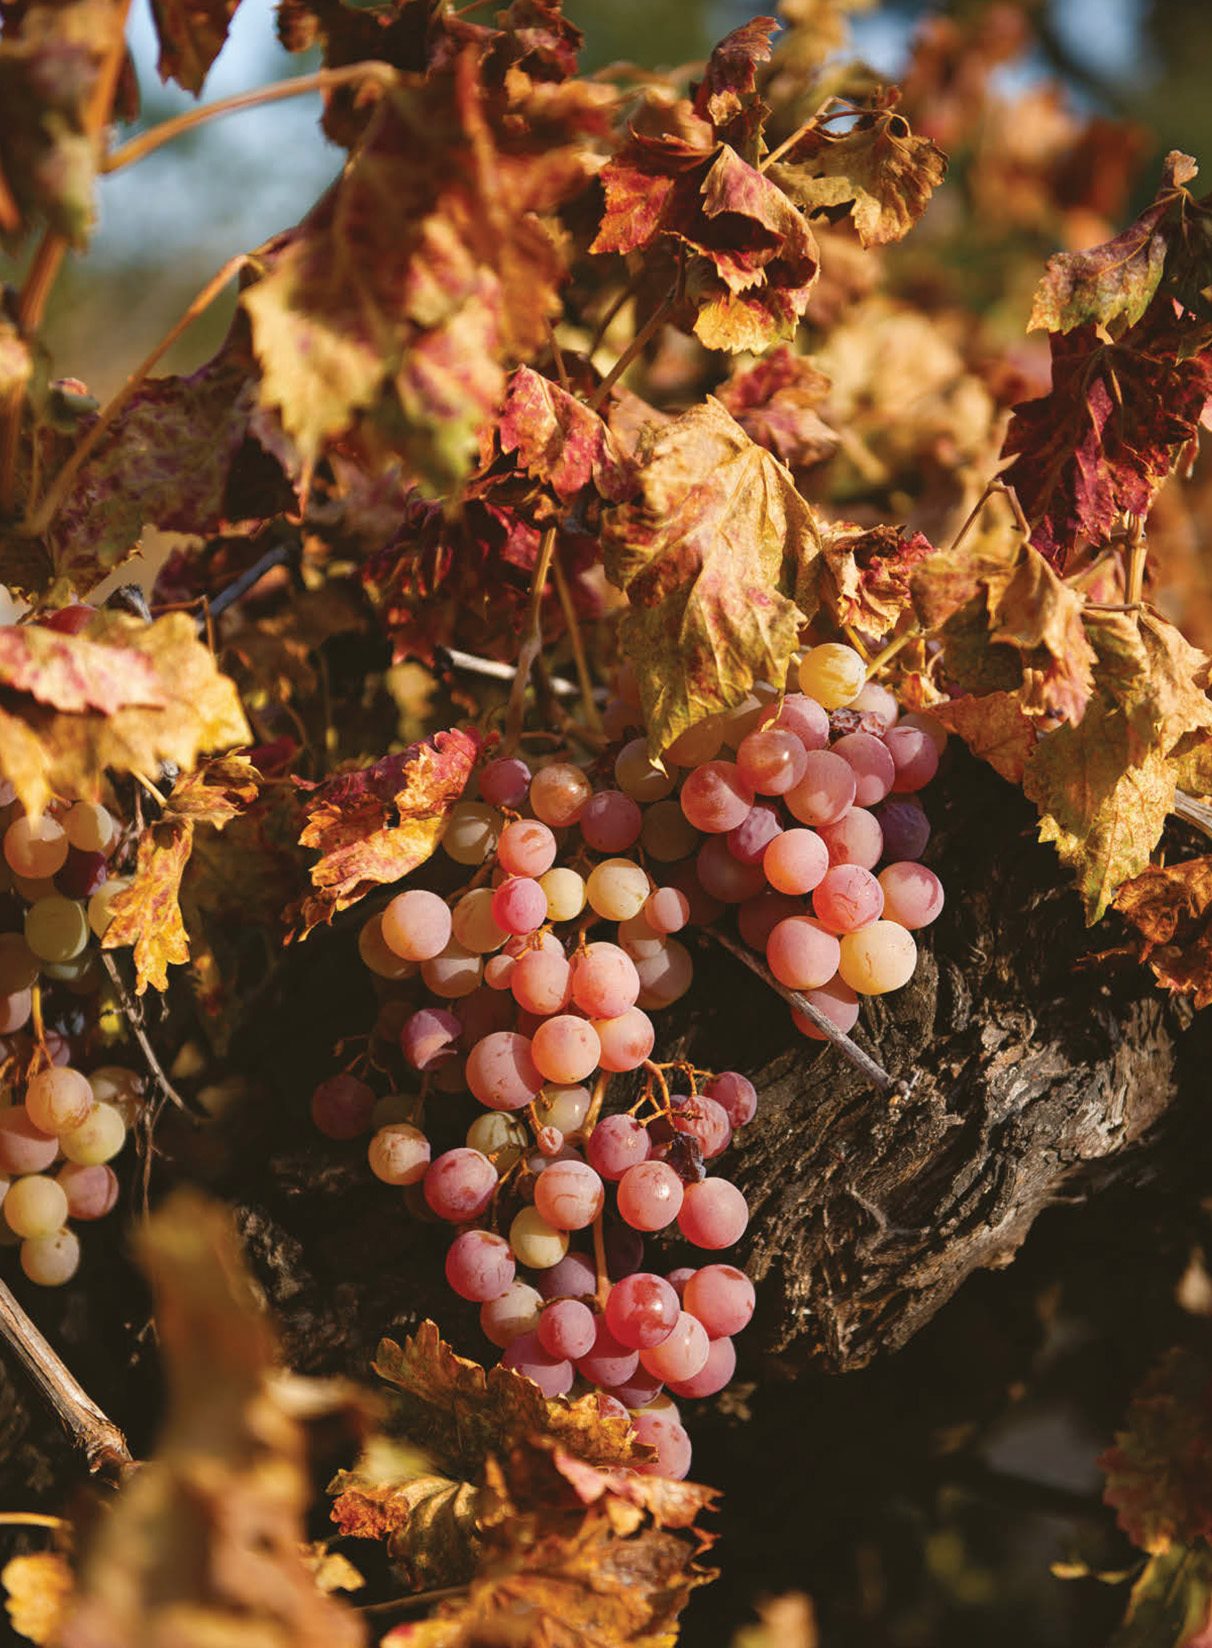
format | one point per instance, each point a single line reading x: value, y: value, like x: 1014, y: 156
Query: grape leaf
x: 373, y: 826
x: 427, y: 1522
x: 1042, y: 617
x: 216, y: 793
x: 192, y: 34
x: 867, y: 574
x: 1169, y: 907
x: 70, y: 672
x: 1155, y: 675
x: 775, y: 402
x: 37, y: 1588
x: 730, y: 79
x: 1159, y: 1472
x: 559, y: 440
x: 713, y: 558
x: 1171, y: 1602
x: 994, y: 727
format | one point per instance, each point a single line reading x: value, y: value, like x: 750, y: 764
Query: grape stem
x: 532, y: 645
x: 592, y: 1117
x: 133, y: 1015
x: 103, y: 1443
x: 875, y: 1073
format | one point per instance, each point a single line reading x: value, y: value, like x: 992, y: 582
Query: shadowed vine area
x: 603, y: 908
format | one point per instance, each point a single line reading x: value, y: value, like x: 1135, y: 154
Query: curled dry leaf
x: 1169, y: 907
x: 995, y: 728
x: 866, y: 577
x: 1171, y: 1602
x: 1041, y: 617
x: 427, y: 1522
x: 558, y: 440
x: 192, y: 33
x: 37, y: 1588
x: 775, y: 402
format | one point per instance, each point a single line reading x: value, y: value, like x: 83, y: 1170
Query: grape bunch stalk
x: 576, y: 1219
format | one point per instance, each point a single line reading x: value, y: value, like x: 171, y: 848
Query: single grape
x: 682, y: 1353
x: 563, y: 1106
x: 713, y: 1214
x: 714, y: 1376
x: 498, y: 971
x: 35, y: 1206
x: 35, y: 848
x: 569, y: 1195
x: 666, y: 834
x: 502, y: 1071
x: 698, y: 744
x: 837, y: 1001
x: 527, y: 847
x: 825, y: 792
x: 716, y: 797
x: 642, y: 1311
x: 537, y: 1244
x: 72, y: 619
x: 399, y: 1154
x: 610, y: 822
x: 550, y: 1141
x: 499, y: 1135
x: 99, y: 1137
x: 50, y: 1261
x: 725, y: 877
x: 390, y: 1109
x: 516, y: 1312
x: 667, y: 911
x: 608, y: 1363
x: 636, y: 775
x: 552, y: 1374
x: 637, y: 937
x: 833, y: 674
x: 905, y: 827
x: 742, y: 718
x: 475, y: 924
x: 24, y: 1148
x: 878, y: 701
x: 749, y: 841
x: 567, y: 1328
x: 378, y: 956
x: 58, y: 1099
x: 641, y: 1388
x: 479, y: 1266
x: 559, y: 794
x: 757, y: 917
x: 519, y: 905
x: 672, y: 1444
x: 82, y: 874
x: 880, y: 958
x: 795, y: 861
x: 573, y: 1278
x: 101, y: 904
x: 856, y: 838
x: 771, y: 760
x: 471, y: 832
x: 15, y: 1011
x: 565, y: 1049
x: 624, y: 1251
x: 915, y: 757
x: 565, y: 893
x: 665, y: 977
x: 617, y: 889
x: 504, y: 782
x: 483, y: 1013
x: 913, y: 895
x: 617, y: 1143
x: 56, y: 928
x: 91, y: 1192
x: 721, y: 1297
x: 706, y: 1120
x: 871, y: 763
x: 428, y: 1036
x: 341, y: 1107
x: 924, y: 722
x: 604, y: 981
x: 735, y: 1094
x: 416, y: 925
x: 626, y: 1041
x: 802, y: 954
x: 650, y: 1195
x: 455, y: 973
x: 848, y: 899
x: 800, y: 715
x: 459, y: 1184
x: 541, y: 982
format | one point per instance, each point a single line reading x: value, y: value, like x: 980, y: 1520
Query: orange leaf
x: 994, y: 728
x: 148, y: 913
x: 70, y: 672
x: 1169, y: 907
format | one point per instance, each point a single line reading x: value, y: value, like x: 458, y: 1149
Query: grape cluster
x: 510, y: 990
x: 55, y: 897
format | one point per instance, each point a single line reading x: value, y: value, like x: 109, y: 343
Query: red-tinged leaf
x: 630, y: 1497
x: 427, y: 1522
x: 559, y: 440
x: 713, y: 558
x: 1159, y: 1473
x: 1171, y: 907
x: 994, y: 728
x: 216, y: 793
x: 1112, y: 285
x: 1042, y: 618
x: 374, y: 826
x: 866, y: 578
x: 70, y: 672
x: 775, y: 402
x: 731, y: 75
x: 1112, y: 427
x: 192, y: 34
x: 147, y: 914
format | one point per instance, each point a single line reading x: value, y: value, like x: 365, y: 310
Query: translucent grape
x: 700, y: 743
x: 562, y: 1106
x: 771, y: 760
x: 498, y: 971
x: 471, y: 832
x: 905, y: 827
x: 550, y: 1141
x: 552, y: 1374
x: 724, y: 877
x: 99, y: 1137
x: 609, y: 1363
x: 527, y: 847
x: 641, y: 1388
x: 502, y: 1071
x: 742, y: 718
x: 713, y: 1214
x: 569, y: 1195
x: 736, y: 1095
x: 915, y: 756
x: 826, y: 790
x: 479, y: 1266
x: 934, y: 730
x: 456, y: 972
x: 795, y: 861
x: 18, y: 964
x: 541, y: 982
x: 650, y: 1196
x: 459, y: 1184
x: 714, y: 1376
x: 564, y: 891
x: 519, y: 905
x: 715, y: 797
x: 417, y: 925
x: 801, y: 954
x: 504, y: 782
x: 878, y: 959
x: 475, y: 925
x: 642, y: 1311
x: 24, y: 1148
x: 35, y: 848
x: 101, y: 904
x: 848, y: 898
x: 573, y: 1278
x: 637, y: 937
x: 839, y: 1004
x: 721, y: 1297
x: 15, y: 1011
x: 482, y: 1013
x: 57, y: 1100
x: 667, y: 835
x: 341, y: 1107
x: 671, y: 1442
x: 499, y: 1135
x: 604, y: 981
x: 617, y: 1143
x: 558, y: 794
x: 82, y: 874
x: 757, y: 917
x: 516, y: 1312
x: 878, y: 701
x: 35, y: 1206
x: 429, y: 1035
x: 50, y: 1261
x: 617, y: 889
x: 378, y: 956
x: 56, y: 928
x: 665, y: 977
x: 567, y: 1328
x: 565, y: 1049
x: 32, y: 891
x: 705, y: 1120
x: 833, y: 674
x: 537, y: 1244
x: 399, y: 1154
x: 871, y: 763
x: 637, y: 777
x: 91, y: 1192
x: 799, y: 715
x: 856, y: 838
x: 747, y: 843
x: 667, y: 911
x: 682, y: 1353
x: 913, y: 895
x: 626, y: 1041
x: 610, y: 822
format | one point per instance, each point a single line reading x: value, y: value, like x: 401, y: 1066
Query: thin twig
x: 532, y: 644
x: 103, y: 1443
x: 133, y: 1014
x: 608, y: 318
x: 577, y: 642
x: 494, y: 670
x: 1191, y: 811
x: 650, y: 328
x: 848, y: 1048
x: 278, y: 556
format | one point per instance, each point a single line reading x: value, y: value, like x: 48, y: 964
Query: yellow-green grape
x: 32, y: 890
x: 474, y: 926
x: 878, y: 958
x: 35, y: 847
x: 563, y: 1107
x: 667, y: 834
x: 565, y: 893
x: 59, y: 1099
x: 18, y: 964
x: 399, y: 1154
x: 636, y: 775
x: 35, y: 1206
x: 833, y: 674
x: 72, y: 971
x: 456, y: 972
x: 535, y: 1243
x: 116, y: 1085
x: 100, y: 905
x: 99, y: 1137
x: 471, y: 832
x: 89, y: 827
x: 391, y: 1108
x: 739, y: 721
x: 56, y: 928
x: 378, y: 956
x: 51, y: 1260
x: 500, y: 1137
x: 617, y: 888
x: 702, y: 742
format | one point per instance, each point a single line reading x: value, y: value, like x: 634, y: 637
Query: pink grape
x: 642, y: 1310
x: 498, y: 970
x: 736, y: 1095
x: 878, y: 701
x: 667, y: 911
x: 713, y: 1214
x: 574, y: 1277
x: 715, y: 797
x: 722, y: 1298
x: 650, y: 1195
x: 837, y: 1001
x: 803, y: 716
x: 15, y: 1010
x: 705, y: 1120
x: 549, y: 1140
x: 683, y: 1351
x: 771, y: 760
x: 724, y: 876
x: 399, y: 1154
x: 757, y: 917
x: 678, y: 1279
x: 609, y: 1363
x: 609, y: 1407
x: 880, y: 958
x: 914, y: 755
x: 559, y: 794
x: 697, y: 744
x: 552, y: 1374
x: 91, y: 1192
x: 565, y: 1049
x: 856, y: 838
x: 754, y: 834
x: 826, y: 790
x: 569, y: 1195
x: 802, y: 954
x: 795, y: 861
x: 428, y: 1036
x: 567, y: 1329
x: 666, y: 835
x: 459, y: 1184
x: 626, y: 1041
x: 519, y: 905
x: 416, y: 925
x: 871, y: 763
x: 913, y: 895
x: 527, y: 848
x: 637, y: 937
x: 341, y: 1107
x: 479, y: 1266
x: 24, y: 1148
x: 617, y: 1143
x: 504, y: 782
x: 502, y: 1072
x: 82, y: 874
x: 642, y: 1387
x: 847, y: 899
x: 664, y: 978
x: 604, y: 981
x: 610, y: 822
x: 671, y: 1442
x: 715, y: 1374
x: 905, y: 827
x: 703, y: 908
x: 541, y: 982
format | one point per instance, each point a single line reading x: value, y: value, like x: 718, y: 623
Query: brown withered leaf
x: 218, y: 791
x: 730, y: 79
x: 775, y: 402
x: 713, y: 557
x: 877, y: 172
x: 994, y: 727
x: 559, y: 440
x: 375, y: 825
x: 1169, y: 906
x: 1112, y: 285
x: 628, y: 1497
x: 1191, y: 762
x: 1159, y: 1472
x: 1104, y: 812
x: 1042, y: 618
x: 867, y: 573
x: 203, y: 1544
x: 37, y: 1588
x: 147, y: 914
x: 983, y: 564
x: 427, y: 1522
x: 192, y: 34
x: 1154, y: 674
x: 46, y: 752
x: 70, y: 672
